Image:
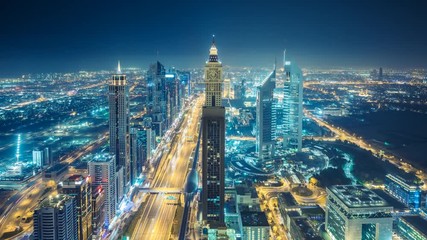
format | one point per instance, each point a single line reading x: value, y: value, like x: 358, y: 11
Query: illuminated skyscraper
x: 156, y: 99
x: 119, y: 126
x: 78, y: 187
x: 265, y: 117
x: 102, y: 175
x: 213, y: 136
x: 56, y: 219
x: 292, y: 106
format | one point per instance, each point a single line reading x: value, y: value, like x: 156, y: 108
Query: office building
x: 42, y: 158
x: 98, y: 213
x: 380, y: 74
x: 133, y: 154
x: 48, y: 157
x: 227, y: 88
x: 355, y: 212
x: 172, y: 96
x: 119, y: 126
x: 79, y: 188
x: 185, y: 80
x: 403, y: 190
x: 255, y: 226
x: 266, y: 118
x: 156, y: 98
x: 38, y: 159
x: 102, y: 172
x: 146, y: 140
x: 213, y: 144
x: 292, y: 106
x: 412, y: 228
x: 56, y: 219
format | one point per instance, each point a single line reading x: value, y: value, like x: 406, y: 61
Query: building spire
x: 284, y: 57
x: 213, y: 51
x: 119, y: 70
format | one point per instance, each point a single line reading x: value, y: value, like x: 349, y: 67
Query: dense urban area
x: 218, y: 152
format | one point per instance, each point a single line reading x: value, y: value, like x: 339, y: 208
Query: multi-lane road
x: 157, y: 217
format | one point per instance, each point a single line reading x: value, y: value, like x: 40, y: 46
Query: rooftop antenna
x: 119, y: 70
x: 284, y: 57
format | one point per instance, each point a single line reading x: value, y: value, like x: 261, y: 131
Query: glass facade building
x: 266, y: 118
x: 404, y: 191
x: 412, y: 228
x: 292, y: 106
x: 355, y: 212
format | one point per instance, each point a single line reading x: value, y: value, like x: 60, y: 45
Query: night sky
x: 54, y: 36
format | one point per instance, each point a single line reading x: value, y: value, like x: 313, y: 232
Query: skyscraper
x: 56, y: 219
x: 38, y: 159
x: 78, y: 187
x: 292, y: 106
x: 355, y: 212
x: 133, y: 154
x: 213, y: 136
x: 265, y: 117
x: 102, y: 170
x: 156, y: 99
x: 119, y: 126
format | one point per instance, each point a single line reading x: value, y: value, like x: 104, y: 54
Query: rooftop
x: 254, y: 219
x: 57, y: 201
x: 357, y: 196
x: 397, y: 205
x: 417, y: 222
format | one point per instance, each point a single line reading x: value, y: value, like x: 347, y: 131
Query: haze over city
x: 49, y: 36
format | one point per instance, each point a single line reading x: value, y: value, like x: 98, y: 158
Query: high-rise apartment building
x: 213, y: 141
x: 102, y: 173
x: 79, y: 188
x: 266, y: 118
x: 119, y: 126
x: 56, y: 219
x: 357, y: 213
x: 292, y: 106
x: 42, y: 158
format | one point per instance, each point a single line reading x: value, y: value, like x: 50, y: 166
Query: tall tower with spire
x: 119, y: 128
x: 213, y: 144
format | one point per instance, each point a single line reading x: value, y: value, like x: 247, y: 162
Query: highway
x: 24, y: 204
x: 157, y: 217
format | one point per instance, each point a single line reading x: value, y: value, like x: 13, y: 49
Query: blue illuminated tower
x: 292, y: 106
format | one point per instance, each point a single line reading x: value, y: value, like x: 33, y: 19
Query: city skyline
x: 317, y: 34
x: 197, y: 135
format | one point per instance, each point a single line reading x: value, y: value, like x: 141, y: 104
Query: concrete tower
x: 213, y: 136
x: 119, y: 128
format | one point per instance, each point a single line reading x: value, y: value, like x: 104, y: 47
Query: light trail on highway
x: 157, y: 217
